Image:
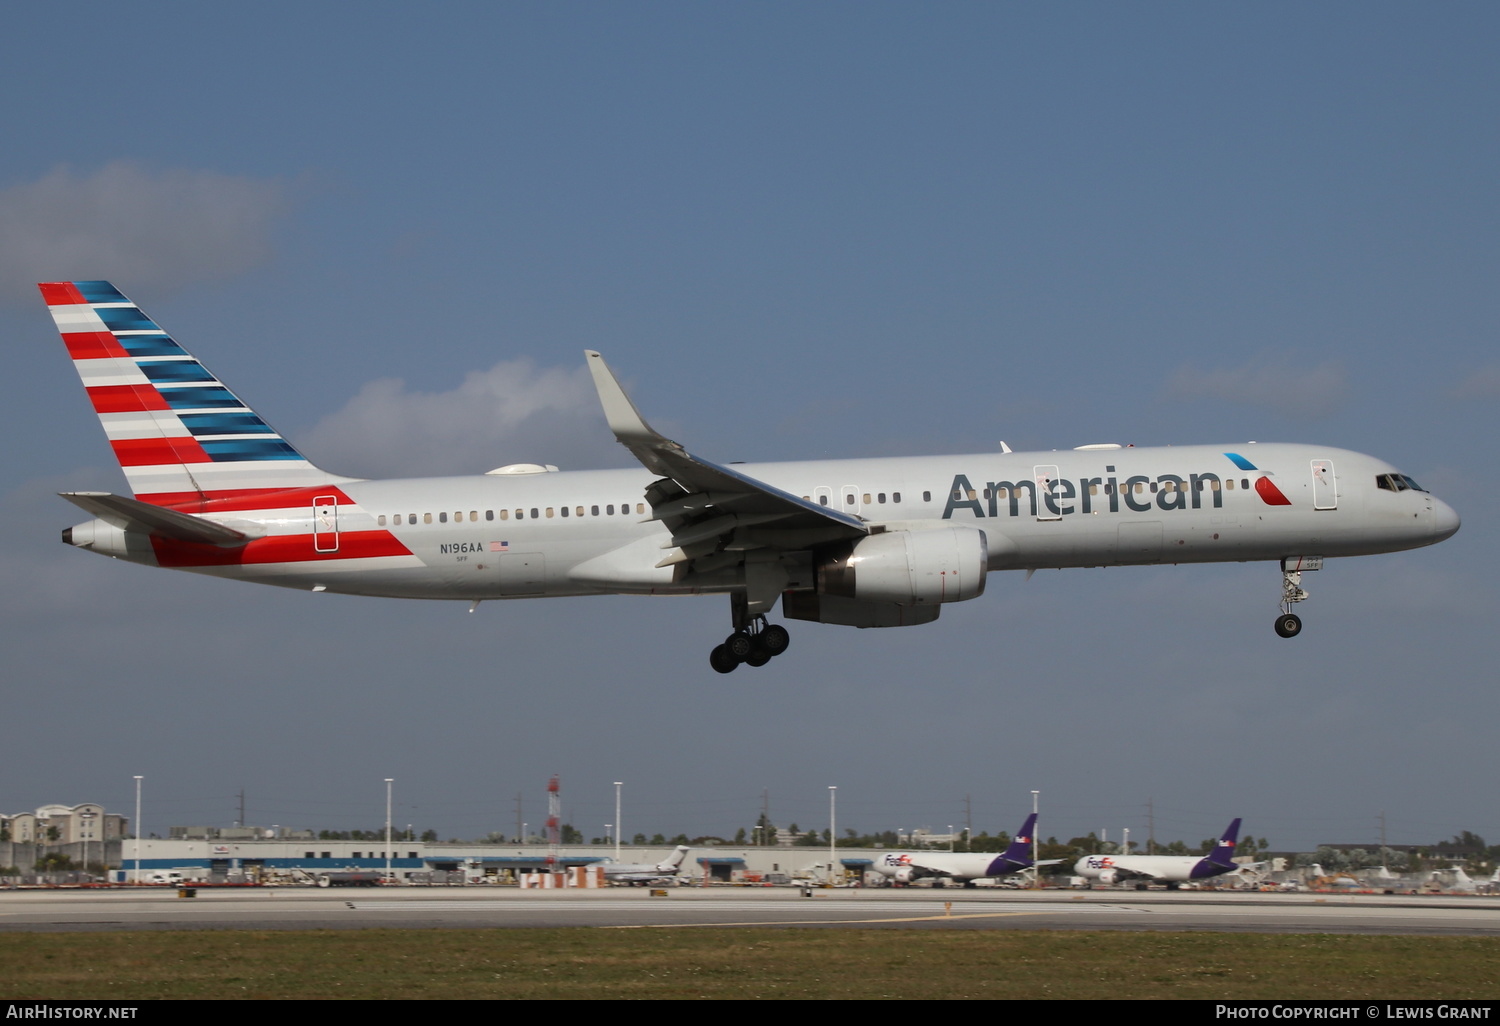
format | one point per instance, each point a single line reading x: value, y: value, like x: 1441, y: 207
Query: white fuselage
x: 590, y: 532
x: 1161, y: 868
x: 913, y: 865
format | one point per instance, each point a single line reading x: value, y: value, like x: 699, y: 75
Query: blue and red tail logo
x: 1268, y: 492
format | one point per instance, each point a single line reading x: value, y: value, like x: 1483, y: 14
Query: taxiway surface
x: 624, y: 908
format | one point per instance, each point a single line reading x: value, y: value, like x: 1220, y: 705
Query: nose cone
x: 1444, y: 520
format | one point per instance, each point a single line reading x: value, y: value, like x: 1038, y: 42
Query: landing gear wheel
x: 775, y: 638
x: 722, y: 660
x: 739, y: 645
x: 759, y: 654
x: 1288, y: 625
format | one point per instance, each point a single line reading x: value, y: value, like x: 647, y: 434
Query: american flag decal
x: 500, y: 546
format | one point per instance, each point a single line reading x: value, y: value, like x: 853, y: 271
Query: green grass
x: 741, y: 963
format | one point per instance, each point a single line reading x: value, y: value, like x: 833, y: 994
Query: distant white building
x: 65, y: 824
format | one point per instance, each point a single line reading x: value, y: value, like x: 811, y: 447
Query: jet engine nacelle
x: 905, y: 875
x: 1107, y: 876
x: 908, y: 567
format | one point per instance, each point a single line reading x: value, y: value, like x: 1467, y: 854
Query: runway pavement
x: 630, y: 908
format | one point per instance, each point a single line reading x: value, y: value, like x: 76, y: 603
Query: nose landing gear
x: 1288, y: 623
x: 755, y: 645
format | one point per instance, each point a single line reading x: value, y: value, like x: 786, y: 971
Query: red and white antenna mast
x: 554, y: 818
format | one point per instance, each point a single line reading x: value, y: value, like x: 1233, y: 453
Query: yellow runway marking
x: 834, y: 922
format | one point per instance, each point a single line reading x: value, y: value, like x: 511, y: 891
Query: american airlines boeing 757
x: 863, y: 543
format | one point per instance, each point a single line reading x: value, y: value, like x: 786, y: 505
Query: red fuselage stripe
x: 292, y: 548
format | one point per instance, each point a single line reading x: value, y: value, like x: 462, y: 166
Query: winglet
x: 624, y: 419
x: 630, y: 428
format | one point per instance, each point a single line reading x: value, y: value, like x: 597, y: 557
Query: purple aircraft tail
x: 1221, y: 859
x: 1018, y: 856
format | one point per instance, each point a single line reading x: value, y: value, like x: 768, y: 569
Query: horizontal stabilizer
x: 132, y: 514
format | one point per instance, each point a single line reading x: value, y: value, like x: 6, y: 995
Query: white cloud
x: 1276, y: 380
x: 140, y: 228
x: 1484, y: 383
x: 514, y: 412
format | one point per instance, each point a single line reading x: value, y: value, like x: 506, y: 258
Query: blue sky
x: 796, y: 231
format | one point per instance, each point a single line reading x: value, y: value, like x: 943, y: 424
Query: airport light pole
x: 618, y: 785
x: 833, y: 834
x: 1036, y: 873
x: 138, y: 780
x: 388, y: 782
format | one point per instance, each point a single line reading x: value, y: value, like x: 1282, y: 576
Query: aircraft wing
x: 716, y: 514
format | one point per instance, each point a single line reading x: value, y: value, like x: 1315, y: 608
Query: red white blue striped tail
x: 182, y: 438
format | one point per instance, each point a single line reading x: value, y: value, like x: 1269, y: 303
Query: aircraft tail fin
x: 1019, y: 849
x: 182, y: 437
x: 674, y: 861
x: 1223, y: 853
x: 1018, y: 855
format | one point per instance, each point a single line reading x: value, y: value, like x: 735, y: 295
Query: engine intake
x: 908, y: 567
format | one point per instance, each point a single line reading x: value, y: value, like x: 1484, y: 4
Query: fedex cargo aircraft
x: 1171, y: 870
x: 863, y: 543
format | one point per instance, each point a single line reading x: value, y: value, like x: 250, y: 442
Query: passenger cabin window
x: 926, y: 496
x: 879, y: 497
x: 895, y: 496
x: 489, y: 514
x: 823, y: 500
x: 442, y: 518
x: 411, y: 518
x: 380, y: 520
x: 426, y: 518
x: 609, y: 510
x: 594, y: 510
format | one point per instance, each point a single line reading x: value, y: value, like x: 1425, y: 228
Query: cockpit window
x: 1397, y: 483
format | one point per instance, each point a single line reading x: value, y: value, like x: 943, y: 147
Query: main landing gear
x: 1288, y: 623
x: 755, y: 645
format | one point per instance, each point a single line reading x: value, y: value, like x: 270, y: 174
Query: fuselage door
x: 1325, y: 485
x: 326, y: 523
x: 1048, y: 499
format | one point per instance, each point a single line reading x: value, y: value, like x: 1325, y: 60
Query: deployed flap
x: 130, y: 514
x: 711, y: 502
